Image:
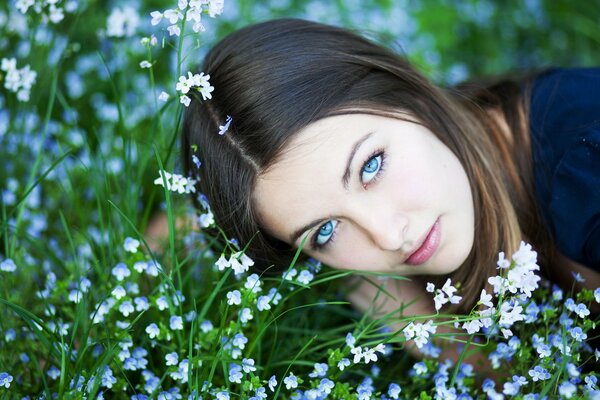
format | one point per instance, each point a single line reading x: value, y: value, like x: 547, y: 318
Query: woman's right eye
x: 324, y: 234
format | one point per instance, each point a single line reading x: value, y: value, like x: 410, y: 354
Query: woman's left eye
x: 371, y: 168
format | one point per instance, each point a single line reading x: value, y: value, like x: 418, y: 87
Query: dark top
x: 565, y: 137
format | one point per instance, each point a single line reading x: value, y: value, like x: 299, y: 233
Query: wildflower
x: 222, y: 395
x: 131, y: 245
x: 5, y: 379
x: 126, y: 308
x: 16, y: 80
x: 120, y: 271
x: 420, y: 332
x: 472, y: 326
x: 162, y: 303
x: 539, y: 374
x: 305, y: 277
x: 567, y: 389
x: 502, y: 262
x: 253, y: 282
x: 53, y: 372
x: 394, y: 390
x: 248, y: 365
x: 215, y: 7
x: 326, y: 385
x: 239, y: 340
x: 420, y: 368
x: 260, y: 393
x: 597, y: 295
x: 8, y: 265
x: 163, y: 96
x: 320, y: 370
x: 225, y: 127
x: 262, y: 303
x: 206, y: 326
x: 343, y: 363
x: 222, y: 263
x: 350, y: 340
x: 176, y: 323
x: 578, y: 334
x: 152, y: 330
x: 245, y: 315
x: 235, y: 373
x: 272, y: 383
x: 122, y: 22
x: 291, y: 382
x: 445, y: 295
x: 157, y: 16
x: 240, y: 262
x: 234, y: 297
x: 75, y: 296
x: 171, y: 358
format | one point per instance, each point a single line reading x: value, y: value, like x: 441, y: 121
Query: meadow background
x: 88, y: 311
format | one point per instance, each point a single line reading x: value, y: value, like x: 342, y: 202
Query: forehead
x: 306, y: 179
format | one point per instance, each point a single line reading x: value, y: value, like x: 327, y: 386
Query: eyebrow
x: 345, y: 181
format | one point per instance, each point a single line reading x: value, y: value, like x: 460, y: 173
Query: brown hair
x: 276, y: 77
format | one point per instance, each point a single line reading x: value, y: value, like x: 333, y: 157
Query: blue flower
x: 394, y: 390
x: 5, y: 379
x: 120, y: 271
x: 539, y: 374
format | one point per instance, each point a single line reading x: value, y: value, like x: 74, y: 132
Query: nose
x: 384, y: 227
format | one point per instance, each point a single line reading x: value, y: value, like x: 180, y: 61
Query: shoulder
x: 565, y: 134
x: 565, y: 100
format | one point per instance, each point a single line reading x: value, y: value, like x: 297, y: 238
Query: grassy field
x: 92, y: 308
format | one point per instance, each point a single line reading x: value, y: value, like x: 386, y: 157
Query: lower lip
x: 429, y: 246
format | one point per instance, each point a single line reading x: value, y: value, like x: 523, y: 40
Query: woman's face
x: 370, y: 193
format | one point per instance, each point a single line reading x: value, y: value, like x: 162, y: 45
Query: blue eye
x: 324, y: 234
x: 370, y: 168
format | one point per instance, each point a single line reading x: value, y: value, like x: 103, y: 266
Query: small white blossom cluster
x: 239, y: 262
x: 419, y: 332
x: 50, y: 10
x: 443, y: 295
x: 190, y: 11
x: 175, y: 182
x: 16, y: 80
x: 198, y: 82
x: 122, y: 22
x: 364, y: 354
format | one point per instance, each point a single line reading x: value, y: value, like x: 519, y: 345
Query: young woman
x: 339, y: 146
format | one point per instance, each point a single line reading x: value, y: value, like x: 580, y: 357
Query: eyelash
x: 379, y: 152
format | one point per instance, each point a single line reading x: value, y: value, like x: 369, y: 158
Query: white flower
x: 163, y: 96
x: 272, y: 383
x: 152, y: 330
x: 485, y: 299
x: 234, y: 298
x: 253, y: 283
x: 173, y: 15
x: 245, y: 315
x: 131, y: 245
x: 174, y: 30
x: 262, y: 303
x: 157, y: 16
x: 122, y: 22
x: 305, y: 277
x: 206, y: 91
x: 290, y: 381
x: 126, y: 308
x: 344, y: 362
x: 176, y: 323
x: 172, y: 358
x: 420, y: 332
x: 215, y: 7
x: 472, y: 326
x: 430, y: 287
x: 120, y: 271
x: 248, y: 365
x: 8, y: 265
x: 222, y: 263
x: 118, y: 292
x: 358, y: 355
x: 183, y: 85
x: 223, y: 128
x: 145, y: 64
x: 185, y: 100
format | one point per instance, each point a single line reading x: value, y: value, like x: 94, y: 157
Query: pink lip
x: 429, y: 246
